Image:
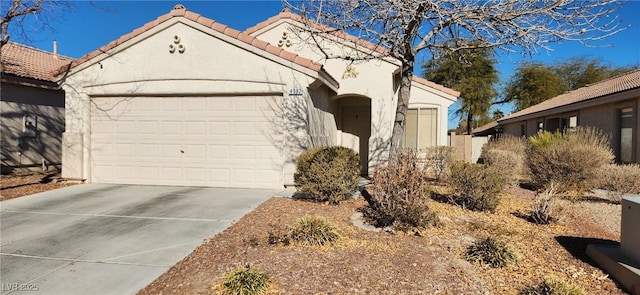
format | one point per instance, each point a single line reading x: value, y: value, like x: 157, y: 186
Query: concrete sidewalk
x: 109, y: 239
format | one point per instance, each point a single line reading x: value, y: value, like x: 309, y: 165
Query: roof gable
x: 600, y: 90
x: 28, y: 62
x: 286, y: 14
x: 180, y: 11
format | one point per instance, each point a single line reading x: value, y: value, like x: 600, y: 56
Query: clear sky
x: 90, y: 25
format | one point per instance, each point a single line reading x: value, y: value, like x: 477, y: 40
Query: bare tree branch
x: 14, y: 13
x: 402, y: 29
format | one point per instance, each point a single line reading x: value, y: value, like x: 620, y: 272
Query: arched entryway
x: 354, y: 125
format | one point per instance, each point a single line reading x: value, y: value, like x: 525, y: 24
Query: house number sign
x: 295, y: 91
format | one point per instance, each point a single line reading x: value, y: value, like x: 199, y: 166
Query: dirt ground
x: 425, y: 262
x: 20, y: 184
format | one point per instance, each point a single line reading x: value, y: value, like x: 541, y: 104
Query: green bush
x: 507, y: 155
x: 244, y: 281
x: 312, y: 230
x: 571, y: 160
x: 399, y: 194
x: 327, y: 174
x: 490, y: 251
x: 553, y: 286
x: 438, y: 160
x: 476, y: 186
x: 619, y: 180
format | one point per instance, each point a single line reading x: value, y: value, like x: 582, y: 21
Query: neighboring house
x: 185, y: 100
x: 490, y: 129
x: 610, y: 105
x: 31, y: 107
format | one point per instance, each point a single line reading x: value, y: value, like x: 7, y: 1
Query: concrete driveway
x: 109, y: 239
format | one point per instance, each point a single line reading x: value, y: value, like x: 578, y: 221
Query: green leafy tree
x: 472, y: 72
x: 532, y: 83
x: 536, y: 82
x: 580, y: 71
x: 497, y: 114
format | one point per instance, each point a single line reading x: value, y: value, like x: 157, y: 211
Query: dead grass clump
x: 244, y: 281
x: 311, y: 230
x: 553, y: 286
x: 490, y: 251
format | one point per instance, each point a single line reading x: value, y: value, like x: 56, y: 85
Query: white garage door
x: 194, y: 141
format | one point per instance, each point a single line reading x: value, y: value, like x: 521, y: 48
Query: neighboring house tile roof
x: 181, y: 11
x: 607, y: 87
x: 286, y: 14
x: 28, y: 62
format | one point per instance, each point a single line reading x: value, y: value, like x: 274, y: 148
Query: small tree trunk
x: 469, y: 123
x: 397, y: 136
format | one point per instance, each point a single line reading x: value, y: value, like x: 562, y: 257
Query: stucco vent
x: 179, y: 6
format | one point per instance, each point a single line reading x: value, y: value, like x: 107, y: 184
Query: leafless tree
x: 402, y: 29
x: 14, y: 13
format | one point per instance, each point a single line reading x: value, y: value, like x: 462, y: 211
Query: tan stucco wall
x: 373, y: 79
x: 212, y: 64
x: 48, y: 107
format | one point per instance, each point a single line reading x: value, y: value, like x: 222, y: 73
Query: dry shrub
x: 399, y: 194
x: 327, y: 174
x: 571, y: 160
x: 620, y: 180
x: 553, y: 286
x: 476, y: 186
x: 543, y: 209
x: 438, y: 160
x: 507, y: 155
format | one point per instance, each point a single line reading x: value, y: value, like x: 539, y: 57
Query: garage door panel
x: 148, y: 173
x: 206, y: 141
x: 148, y: 127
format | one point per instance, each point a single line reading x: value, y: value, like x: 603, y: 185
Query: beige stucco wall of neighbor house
x: 212, y: 64
x: 373, y: 79
x: 47, y: 106
x: 511, y: 128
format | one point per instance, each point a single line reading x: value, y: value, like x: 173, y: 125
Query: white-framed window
x: 421, y: 128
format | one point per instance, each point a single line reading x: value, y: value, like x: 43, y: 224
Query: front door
x: 356, y: 130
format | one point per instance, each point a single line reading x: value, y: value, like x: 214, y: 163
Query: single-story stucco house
x: 185, y: 100
x: 31, y: 107
x: 610, y: 105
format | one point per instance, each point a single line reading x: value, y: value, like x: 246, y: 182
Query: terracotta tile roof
x: 287, y: 14
x: 604, y: 88
x: 180, y: 11
x: 436, y: 86
x: 28, y: 62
